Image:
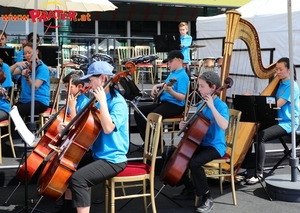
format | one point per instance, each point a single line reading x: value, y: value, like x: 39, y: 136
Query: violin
x: 197, y: 125
x: 84, y: 129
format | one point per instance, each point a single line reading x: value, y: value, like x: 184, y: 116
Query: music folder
x: 7, y: 55
x: 166, y: 43
x: 261, y: 109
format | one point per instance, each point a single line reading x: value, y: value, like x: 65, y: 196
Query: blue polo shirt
x: 180, y: 86
x: 113, y: 147
x: 284, y: 92
x: 81, y: 101
x: 215, y: 136
x: 185, y: 50
x: 42, y: 94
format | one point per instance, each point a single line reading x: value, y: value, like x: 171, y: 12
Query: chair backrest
x: 142, y: 50
x: 153, y: 126
x: 232, y: 132
x: 68, y: 51
x: 125, y: 52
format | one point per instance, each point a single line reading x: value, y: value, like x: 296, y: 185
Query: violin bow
x: 46, y: 31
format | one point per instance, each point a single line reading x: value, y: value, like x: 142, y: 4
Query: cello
x: 195, y: 129
x: 42, y: 150
x: 82, y: 135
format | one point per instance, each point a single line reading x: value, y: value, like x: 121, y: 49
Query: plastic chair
x: 6, y: 124
x: 231, y: 138
x: 136, y: 172
x: 143, y: 67
x: 169, y: 124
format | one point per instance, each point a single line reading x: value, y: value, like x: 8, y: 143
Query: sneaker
x: 186, y: 194
x: 207, y: 206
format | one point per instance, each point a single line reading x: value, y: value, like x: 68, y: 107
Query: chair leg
x: 106, y: 186
x: 220, y: 178
x: 233, y: 185
x: 152, y: 195
x: 144, y: 197
x: 11, y: 143
x: 112, y: 197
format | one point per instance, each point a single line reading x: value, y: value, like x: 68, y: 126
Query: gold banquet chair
x: 124, y: 52
x: 231, y: 138
x: 136, y: 172
x: 6, y: 124
x: 143, y: 67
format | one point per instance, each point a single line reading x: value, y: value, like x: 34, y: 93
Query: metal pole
x: 294, y: 161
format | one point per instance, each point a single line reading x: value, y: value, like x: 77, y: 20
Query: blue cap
x: 98, y: 68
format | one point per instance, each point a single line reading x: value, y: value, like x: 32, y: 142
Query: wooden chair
x: 136, y: 172
x: 231, y: 138
x: 169, y: 124
x: 143, y: 67
x: 6, y: 124
x: 124, y: 53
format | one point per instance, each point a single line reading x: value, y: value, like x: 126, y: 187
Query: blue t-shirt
x: 284, y: 92
x: 215, y: 136
x: 20, y: 55
x: 186, y: 41
x: 7, y: 84
x: 113, y: 147
x: 81, y: 101
x: 180, y: 86
x: 42, y: 94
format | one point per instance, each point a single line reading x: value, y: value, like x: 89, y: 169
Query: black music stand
x: 49, y: 55
x: 256, y: 109
x: 166, y: 43
x: 7, y: 55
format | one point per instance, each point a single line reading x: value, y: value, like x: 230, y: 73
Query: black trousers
x: 91, y: 173
x: 202, y: 155
x: 270, y: 133
x: 165, y: 109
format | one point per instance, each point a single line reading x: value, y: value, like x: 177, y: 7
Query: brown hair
x: 183, y: 24
x: 4, y: 33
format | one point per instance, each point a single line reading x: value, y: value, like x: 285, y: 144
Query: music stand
x: 49, y: 55
x: 7, y: 55
x: 256, y: 109
x: 166, y: 43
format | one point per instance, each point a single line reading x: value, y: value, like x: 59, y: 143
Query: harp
x: 238, y: 28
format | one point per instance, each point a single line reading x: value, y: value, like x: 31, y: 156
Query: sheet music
x: 22, y: 129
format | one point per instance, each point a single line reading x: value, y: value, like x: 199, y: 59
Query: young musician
x: 42, y: 83
x: 75, y: 104
x: 108, y: 153
x: 7, y: 84
x: 283, y: 97
x: 185, y: 42
x: 172, y: 100
x: 212, y: 146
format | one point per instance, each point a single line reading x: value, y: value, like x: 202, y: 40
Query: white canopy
x: 269, y: 18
